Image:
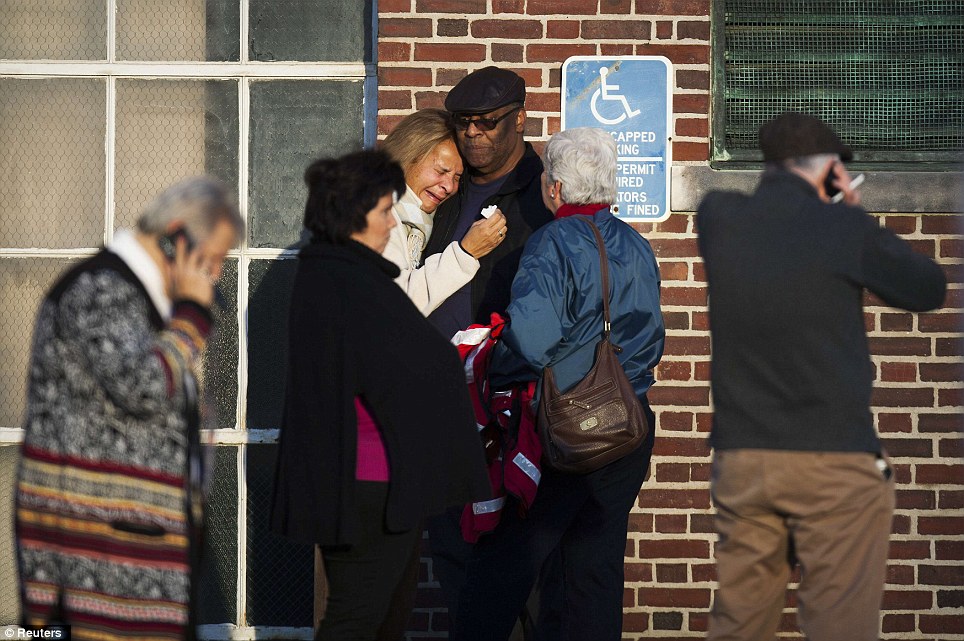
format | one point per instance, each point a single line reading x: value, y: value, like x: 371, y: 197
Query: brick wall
x: 426, y: 46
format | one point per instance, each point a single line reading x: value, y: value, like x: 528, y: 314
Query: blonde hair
x: 417, y: 135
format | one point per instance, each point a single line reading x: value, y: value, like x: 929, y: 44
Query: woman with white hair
x: 556, y: 319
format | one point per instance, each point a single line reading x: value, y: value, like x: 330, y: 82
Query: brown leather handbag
x: 600, y: 419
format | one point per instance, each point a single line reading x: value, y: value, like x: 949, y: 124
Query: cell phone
x: 168, y: 244
x: 829, y: 187
x: 856, y: 182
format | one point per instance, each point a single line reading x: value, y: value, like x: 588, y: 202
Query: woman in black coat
x: 378, y: 429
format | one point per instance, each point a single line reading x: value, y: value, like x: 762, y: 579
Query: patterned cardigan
x: 103, y: 524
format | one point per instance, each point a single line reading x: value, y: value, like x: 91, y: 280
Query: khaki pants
x: 831, y: 511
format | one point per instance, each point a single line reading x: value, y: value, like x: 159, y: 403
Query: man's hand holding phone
x: 191, y: 277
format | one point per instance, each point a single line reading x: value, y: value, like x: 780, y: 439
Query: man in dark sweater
x: 798, y: 472
x: 501, y: 169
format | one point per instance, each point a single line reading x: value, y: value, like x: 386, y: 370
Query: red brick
x: 693, y: 30
x: 900, y: 524
x: 673, y: 7
x: 899, y: 623
x: 950, y: 598
x: 942, y: 224
x: 453, y: 28
x: 681, y: 55
x: 617, y: 30
x: 671, y: 523
x: 699, y: 272
x: 900, y: 575
x: 898, y: 372
x: 941, y: 623
x: 925, y: 247
x: 674, y: 371
x: 449, y: 77
x: 675, y: 597
x: 405, y: 27
x: 430, y: 99
x: 450, y: 52
x: 507, y: 29
x: 950, y: 397
x: 394, y: 99
x: 394, y: 51
x: 664, y: 29
x: 635, y: 621
x: 642, y: 523
x: 942, y: 371
x: 953, y: 272
x: 671, y: 573
x: 607, y: 49
x: 691, y: 78
x: 940, y: 575
x: 557, y: 52
x: 949, y: 550
x: 538, y: 101
x: 916, y: 499
x: 673, y: 271
x: 687, y: 345
x: 503, y: 52
x: 508, y: 6
x: 909, y: 550
x: 904, y: 346
x: 902, y: 397
x: 691, y: 151
x: 387, y: 123
x: 894, y: 422
x: 671, y: 473
x: 608, y: 7
x: 563, y: 29
x: 679, y: 499
x: 947, y: 525
x: 533, y: 128
x: 950, y: 499
x: 675, y: 421
x: 638, y: 572
x: 907, y: 600
x: 693, y: 127
x: 901, y: 224
x: 940, y: 474
x: 691, y: 103
x: 896, y: 322
x: 688, y: 296
x: 704, y: 421
x: 560, y: 7
x: 949, y: 347
x: 680, y: 446
x: 450, y: 6
x: 703, y: 572
x: 394, y: 6
x: 666, y: 395
x: 952, y: 248
x: 674, y: 247
x: 404, y: 77
x: 909, y: 447
x: 929, y: 423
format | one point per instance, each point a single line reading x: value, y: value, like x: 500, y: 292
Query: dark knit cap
x: 484, y: 90
x: 793, y: 135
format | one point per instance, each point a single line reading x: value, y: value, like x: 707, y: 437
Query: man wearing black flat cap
x: 501, y: 169
x: 798, y: 471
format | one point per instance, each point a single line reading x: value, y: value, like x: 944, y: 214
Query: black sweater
x: 791, y: 367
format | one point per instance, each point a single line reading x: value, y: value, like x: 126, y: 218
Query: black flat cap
x: 792, y: 135
x: 484, y: 90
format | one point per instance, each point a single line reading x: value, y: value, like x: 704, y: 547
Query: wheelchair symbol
x: 607, y: 92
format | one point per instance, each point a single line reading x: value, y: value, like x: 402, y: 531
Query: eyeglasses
x: 482, y: 124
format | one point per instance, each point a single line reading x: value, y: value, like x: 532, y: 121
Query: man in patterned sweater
x: 107, y: 493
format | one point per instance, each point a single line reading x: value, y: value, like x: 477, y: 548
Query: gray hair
x: 584, y: 161
x: 199, y: 202
x: 810, y: 165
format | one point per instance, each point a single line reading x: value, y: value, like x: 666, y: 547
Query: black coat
x: 520, y: 200
x: 353, y: 331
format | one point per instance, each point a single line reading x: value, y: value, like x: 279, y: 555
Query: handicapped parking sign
x: 630, y: 98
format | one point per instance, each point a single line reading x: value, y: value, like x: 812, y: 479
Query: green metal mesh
x: 888, y: 75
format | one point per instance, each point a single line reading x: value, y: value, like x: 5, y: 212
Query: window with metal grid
x: 887, y: 75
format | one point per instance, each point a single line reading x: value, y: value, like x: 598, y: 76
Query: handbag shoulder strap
x: 604, y: 272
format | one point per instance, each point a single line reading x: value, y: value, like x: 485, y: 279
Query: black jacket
x: 353, y: 331
x: 786, y: 272
x: 520, y: 200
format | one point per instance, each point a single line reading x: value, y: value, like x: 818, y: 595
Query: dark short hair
x: 341, y: 192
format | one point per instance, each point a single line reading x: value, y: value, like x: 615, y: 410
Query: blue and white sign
x: 629, y: 97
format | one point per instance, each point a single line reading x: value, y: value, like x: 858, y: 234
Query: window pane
x: 52, y: 162
x: 886, y: 75
x: 221, y: 356
x: 53, y: 30
x: 218, y: 577
x: 335, y: 30
x: 168, y: 130
x: 23, y: 283
x: 269, y: 291
x: 178, y: 30
x: 292, y: 123
x: 280, y: 572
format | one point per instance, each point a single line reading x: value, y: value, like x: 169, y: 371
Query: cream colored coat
x: 443, y: 274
